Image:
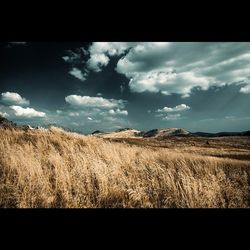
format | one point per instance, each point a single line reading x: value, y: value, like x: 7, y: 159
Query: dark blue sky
x: 105, y: 86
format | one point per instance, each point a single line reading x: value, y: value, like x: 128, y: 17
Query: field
x: 58, y: 169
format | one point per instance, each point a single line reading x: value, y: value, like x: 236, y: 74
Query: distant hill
x: 162, y: 133
x: 120, y: 133
x: 220, y: 134
x: 128, y: 132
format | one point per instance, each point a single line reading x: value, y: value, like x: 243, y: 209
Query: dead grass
x: 59, y: 169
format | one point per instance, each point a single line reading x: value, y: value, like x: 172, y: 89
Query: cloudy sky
x: 199, y: 86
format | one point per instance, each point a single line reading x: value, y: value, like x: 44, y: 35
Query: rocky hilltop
x: 162, y: 133
x: 120, y: 133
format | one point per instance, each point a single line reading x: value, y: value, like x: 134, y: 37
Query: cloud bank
x: 177, y: 67
x: 172, y: 67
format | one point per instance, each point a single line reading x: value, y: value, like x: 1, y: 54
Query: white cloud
x: 78, y: 74
x: 97, y: 61
x: 167, y: 82
x: 101, y: 51
x: 74, y: 114
x: 26, y: 112
x: 118, y: 112
x: 11, y: 98
x: 170, y: 67
x: 177, y: 67
x: 177, y: 108
x: 245, y: 90
x: 164, y: 112
x: 171, y: 117
x: 66, y: 58
x: 99, y: 56
x: 3, y: 114
x: 98, y: 102
x: 109, y: 48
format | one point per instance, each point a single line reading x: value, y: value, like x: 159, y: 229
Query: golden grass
x: 55, y: 168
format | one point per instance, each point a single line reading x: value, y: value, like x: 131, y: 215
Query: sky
x: 198, y: 86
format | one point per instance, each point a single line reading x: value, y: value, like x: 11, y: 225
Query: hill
x: 163, y: 133
x: 58, y: 169
x: 121, y: 133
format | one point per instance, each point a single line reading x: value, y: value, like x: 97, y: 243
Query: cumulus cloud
x: 109, y: 48
x: 99, y: 55
x: 169, y: 67
x: 245, y: 90
x: 3, y: 114
x: 76, y: 58
x: 177, y: 67
x: 97, y: 61
x: 101, y: 51
x: 177, y: 108
x: 78, y: 74
x: 11, y: 98
x: 118, y: 112
x: 98, y: 102
x: 26, y: 112
x: 171, y: 117
x: 168, y: 114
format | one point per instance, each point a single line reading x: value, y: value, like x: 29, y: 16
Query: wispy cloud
x: 171, y: 117
x: 18, y: 43
x: 231, y: 117
x: 207, y: 120
x: 78, y: 74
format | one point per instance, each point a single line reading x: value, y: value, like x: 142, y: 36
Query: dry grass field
x: 58, y: 169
